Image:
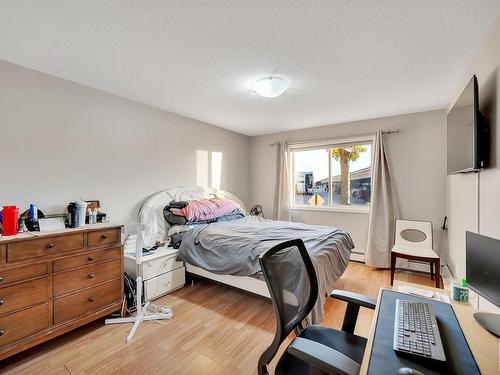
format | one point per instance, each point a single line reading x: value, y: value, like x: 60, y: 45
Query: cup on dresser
x: 80, y: 213
x: 10, y: 220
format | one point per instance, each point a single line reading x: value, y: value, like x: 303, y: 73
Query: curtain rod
x: 385, y: 131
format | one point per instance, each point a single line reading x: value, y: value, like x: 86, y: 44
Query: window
x: 337, y: 175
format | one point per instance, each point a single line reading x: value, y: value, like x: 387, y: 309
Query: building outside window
x: 336, y: 175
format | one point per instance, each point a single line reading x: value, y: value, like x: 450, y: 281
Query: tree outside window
x: 346, y: 155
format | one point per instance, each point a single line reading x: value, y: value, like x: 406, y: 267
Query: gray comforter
x: 234, y: 247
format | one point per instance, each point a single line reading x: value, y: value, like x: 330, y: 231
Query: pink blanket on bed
x: 206, y: 209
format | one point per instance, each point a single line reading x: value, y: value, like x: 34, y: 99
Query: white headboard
x: 152, y: 208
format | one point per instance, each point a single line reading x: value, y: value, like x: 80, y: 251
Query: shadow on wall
x: 488, y: 100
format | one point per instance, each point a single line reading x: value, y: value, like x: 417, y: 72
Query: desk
x: 484, y: 346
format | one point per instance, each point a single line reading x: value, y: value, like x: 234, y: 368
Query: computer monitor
x: 483, y: 276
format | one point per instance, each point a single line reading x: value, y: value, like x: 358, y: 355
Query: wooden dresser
x: 51, y: 283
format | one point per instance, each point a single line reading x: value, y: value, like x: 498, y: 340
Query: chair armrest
x: 354, y: 298
x: 323, y: 357
x: 354, y: 302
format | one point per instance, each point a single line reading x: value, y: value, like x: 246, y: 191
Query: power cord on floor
x: 151, y: 310
x: 159, y: 309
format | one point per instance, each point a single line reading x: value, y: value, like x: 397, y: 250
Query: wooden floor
x: 215, y: 330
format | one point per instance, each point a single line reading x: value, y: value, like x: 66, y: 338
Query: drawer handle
x: 1, y: 279
x: 91, y: 299
x: 103, y: 237
x: 2, y: 332
x: 90, y: 259
x: 90, y: 275
x: 50, y: 246
x: 1, y: 302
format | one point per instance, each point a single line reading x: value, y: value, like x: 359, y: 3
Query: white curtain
x: 383, y: 209
x: 282, y: 188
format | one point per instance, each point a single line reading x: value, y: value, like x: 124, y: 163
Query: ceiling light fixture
x: 270, y: 87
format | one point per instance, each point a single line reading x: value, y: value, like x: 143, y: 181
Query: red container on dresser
x: 10, y: 220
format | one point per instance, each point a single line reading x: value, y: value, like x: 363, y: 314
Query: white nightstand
x: 161, y: 272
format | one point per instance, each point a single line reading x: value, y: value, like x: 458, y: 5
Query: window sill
x: 347, y: 210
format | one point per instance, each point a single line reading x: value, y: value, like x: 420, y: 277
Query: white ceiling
x: 347, y: 60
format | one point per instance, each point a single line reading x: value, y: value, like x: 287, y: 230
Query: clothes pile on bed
x: 202, y: 211
x: 183, y: 215
x: 217, y: 235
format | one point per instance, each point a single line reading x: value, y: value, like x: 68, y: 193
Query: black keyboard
x: 416, y: 330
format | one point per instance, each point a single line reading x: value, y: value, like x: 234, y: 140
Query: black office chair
x: 292, y: 283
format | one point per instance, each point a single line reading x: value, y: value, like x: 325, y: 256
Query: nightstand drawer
x: 86, y: 259
x: 24, y: 323
x: 86, y: 301
x: 22, y: 295
x: 155, y: 267
x: 165, y: 283
x: 43, y: 246
x: 84, y: 277
x: 103, y: 237
x: 22, y: 273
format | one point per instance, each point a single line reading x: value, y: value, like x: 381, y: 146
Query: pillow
x: 176, y: 229
x: 205, y: 209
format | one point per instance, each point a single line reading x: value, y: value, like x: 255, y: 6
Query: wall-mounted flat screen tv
x: 467, y: 140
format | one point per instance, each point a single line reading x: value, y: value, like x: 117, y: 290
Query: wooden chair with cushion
x: 413, y: 241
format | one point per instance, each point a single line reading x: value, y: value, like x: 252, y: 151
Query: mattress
x: 234, y: 247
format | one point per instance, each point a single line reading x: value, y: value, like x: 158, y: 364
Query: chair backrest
x: 293, y: 286
x: 414, y: 234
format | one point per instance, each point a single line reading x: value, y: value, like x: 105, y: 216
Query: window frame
x: 319, y: 145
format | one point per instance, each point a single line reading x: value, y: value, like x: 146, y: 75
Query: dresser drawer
x: 24, y: 323
x: 86, y: 301
x: 43, y: 246
x: 22, y: 273
x: 22, y: 295
x: 84, y: 277
x: 103, y: 237
x: 86, y: 259
x: 3, y: 253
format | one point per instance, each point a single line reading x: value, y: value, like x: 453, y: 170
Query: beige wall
x: 417, y: 156
x: 61, y: 141
x: 473, y: 200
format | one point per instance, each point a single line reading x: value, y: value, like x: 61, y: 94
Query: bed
x: 228, y: 252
